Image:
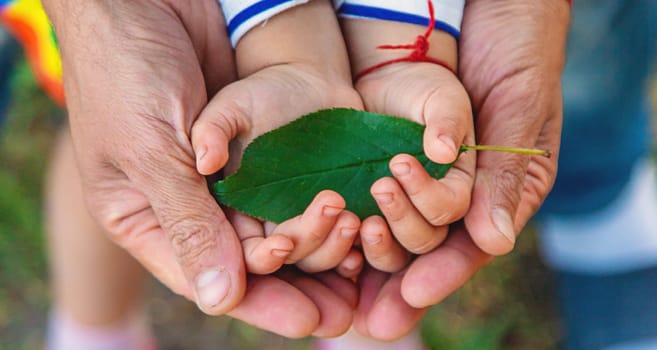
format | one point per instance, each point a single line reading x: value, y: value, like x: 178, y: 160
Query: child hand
x: 287, y: 71
x: 417, y: 208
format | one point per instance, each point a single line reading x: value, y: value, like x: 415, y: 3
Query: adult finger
x: 382, y: 313
x: 435, y: 275
x: 335, y: 314
x: 370, y: 283
x: 516, y: 94
x: 277, y: 306
x: 342, y: 286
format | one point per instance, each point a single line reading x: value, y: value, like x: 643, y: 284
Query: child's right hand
x: 286, y: 71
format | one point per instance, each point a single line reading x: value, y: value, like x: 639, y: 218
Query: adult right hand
x: 136, y: 76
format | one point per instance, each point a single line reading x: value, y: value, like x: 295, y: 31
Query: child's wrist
x: 243, y: 15
x: 364, y: 35
x: 308, y: 33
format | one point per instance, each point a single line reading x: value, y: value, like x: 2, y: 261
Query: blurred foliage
x: 506, y: 306
x: 25, y: 141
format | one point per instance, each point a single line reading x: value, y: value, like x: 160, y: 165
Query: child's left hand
x: 417, y: 207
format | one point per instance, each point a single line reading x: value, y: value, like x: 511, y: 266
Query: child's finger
x: 440, y: 202
x: 379, y: 246
x: 261, y: 255
x: 222, y: 119
x: 407, y: 223
x: 448, y: 117
x: 336, y: 246
x: 352, y: 265
x: 309, y: 230
x: 266, y: 255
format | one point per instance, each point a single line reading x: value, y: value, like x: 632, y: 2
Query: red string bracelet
x: 420, y: 48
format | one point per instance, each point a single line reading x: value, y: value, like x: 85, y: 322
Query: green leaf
x: 339, y: 149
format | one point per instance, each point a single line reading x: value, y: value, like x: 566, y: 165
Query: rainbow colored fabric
x: 28, y: 22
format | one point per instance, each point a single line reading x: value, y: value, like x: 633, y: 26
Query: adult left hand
x: 511, y: 57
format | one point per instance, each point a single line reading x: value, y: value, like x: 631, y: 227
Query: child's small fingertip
x: 280, y: 253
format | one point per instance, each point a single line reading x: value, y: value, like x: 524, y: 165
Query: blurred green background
x: 508, y: 305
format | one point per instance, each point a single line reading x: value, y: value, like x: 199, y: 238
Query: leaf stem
x: 529, y: 151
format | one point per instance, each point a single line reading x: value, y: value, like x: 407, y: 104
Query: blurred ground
x: 507, y: 305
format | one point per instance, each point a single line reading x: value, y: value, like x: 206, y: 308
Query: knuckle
x: 454, y: 211
x: 163, y: 149
x: 190, y: 241
x: 120, y: 223
x: 395, y: 213
x: 229, y: 127
x: 509, y: 180
x: 316, y: 235
x: 416, y: 184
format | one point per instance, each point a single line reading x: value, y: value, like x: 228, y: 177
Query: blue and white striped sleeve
x: 242, y: 15
x: 448, y: 13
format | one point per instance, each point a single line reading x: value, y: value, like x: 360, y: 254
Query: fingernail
x: 372, y: 239
x: 383, y: 198
x: 280, y: 253
x: 400, y: 169
x: 503, y: 222
x: 201, y: 153
x: 212, y: 287
x: 448, y: 142
x: 331, y: 211
x: 348, y: 232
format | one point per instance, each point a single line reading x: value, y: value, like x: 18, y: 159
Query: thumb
x: 204, y: 242
x: 448, y: 118
x: 221, y: 121
x: 509, y: 188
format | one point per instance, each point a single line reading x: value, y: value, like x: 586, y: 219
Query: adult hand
x: 137, y: 75
x: 511, y: 57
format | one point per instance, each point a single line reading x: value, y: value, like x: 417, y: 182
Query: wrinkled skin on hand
x: 137, y: 75
x: 510, y: 61
x: 513, y: 77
